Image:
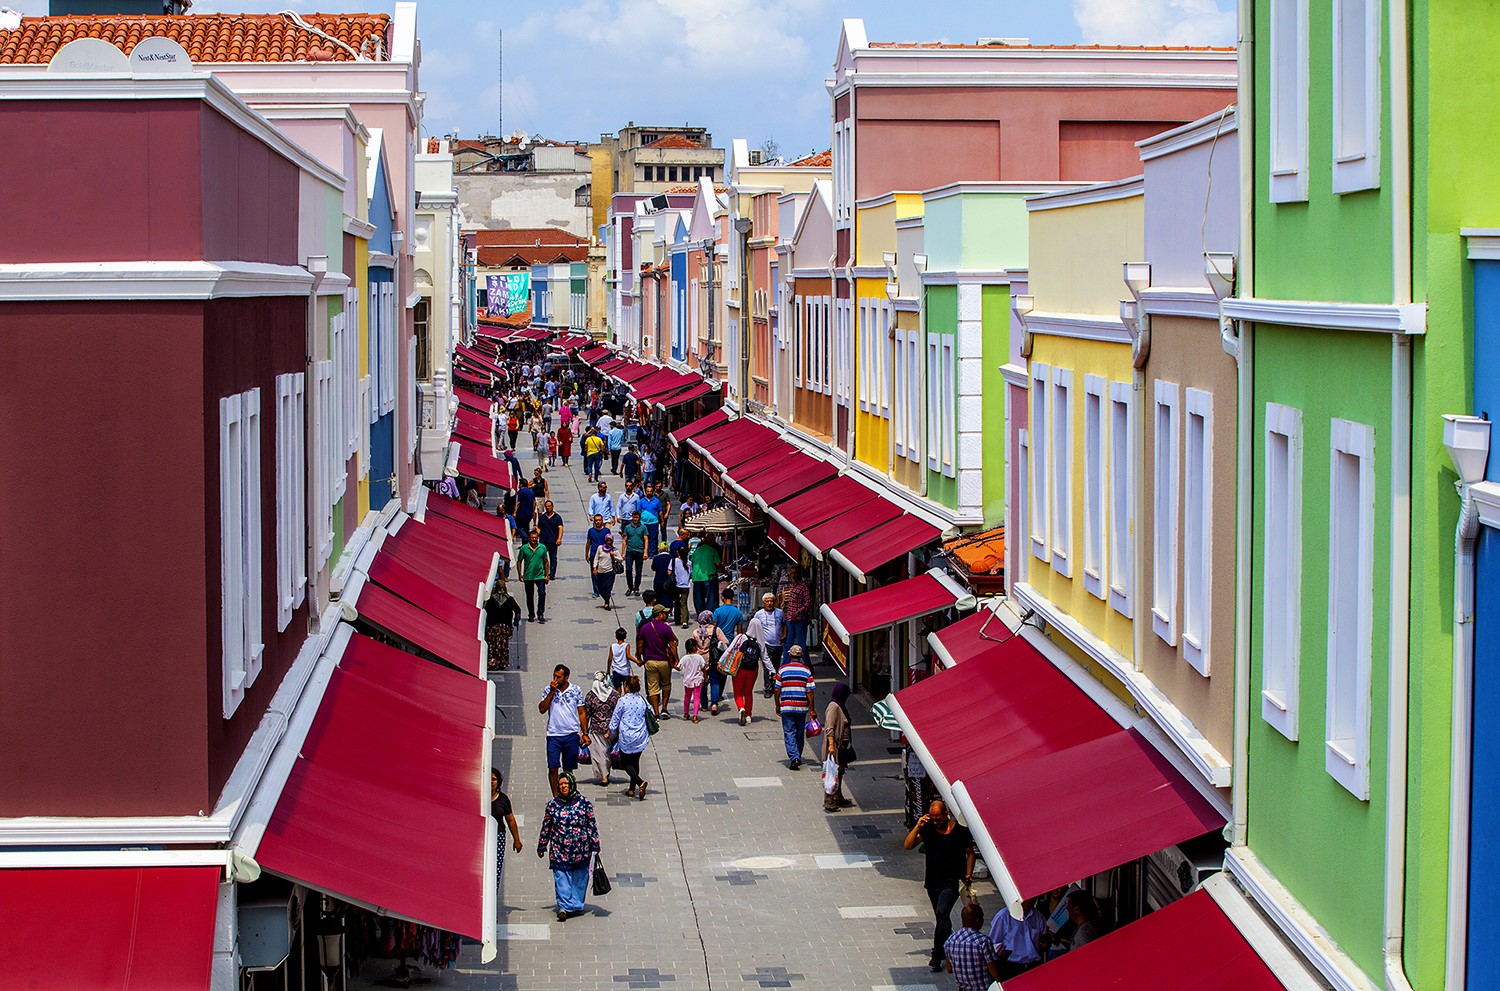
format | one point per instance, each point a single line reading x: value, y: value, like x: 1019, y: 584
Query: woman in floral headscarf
x: 571, y: 834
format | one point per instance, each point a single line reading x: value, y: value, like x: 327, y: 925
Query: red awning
x: 970, y: 638
x: 1109, y: 796
x: 750, y: 447
x: 1046, y: 822
x: 447, y: 534
x: 478, y: 359
x: 730, y: 433
x: 460, y: 574
x: 471, y: 400
x: 594, y: 354
x: 115, y: 928
x: 717, y: 418
x: 823, y: 502
x: 894, y: 603
x: 384, y: 805
x: 469, y: 516
x: 469, y: 378
x: 604, y: 367
x: 397, y: 578
x: 655, y: 380
x: 800, y: 473
x: 847, y: 526
x: 684, y: 395
x: 465, y: 431
x: 367, y: 602
x: 883, y: 544
x: 1190, y: 945
x: 742, y: 476
x: 485, y: 468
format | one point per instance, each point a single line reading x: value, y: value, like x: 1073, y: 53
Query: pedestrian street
x: 729, y: 874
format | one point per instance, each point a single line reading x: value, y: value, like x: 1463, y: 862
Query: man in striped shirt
x: 794, y: 700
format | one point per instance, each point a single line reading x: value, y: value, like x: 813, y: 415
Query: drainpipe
x: 1401, y: 437
x: 1467, y: 439
x: 1244, y: 441
x: 317, y: 266
x: 922, y: 366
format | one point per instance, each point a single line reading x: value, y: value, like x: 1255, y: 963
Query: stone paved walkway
x: 729, y: 875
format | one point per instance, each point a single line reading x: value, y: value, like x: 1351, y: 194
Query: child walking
x: 621, y: 656
x: 551, y: 449
x: 692, y: 667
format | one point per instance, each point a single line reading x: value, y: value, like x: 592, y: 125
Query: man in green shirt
x: 705, y: 561
x: 533, y: 562
x: 636, y: 533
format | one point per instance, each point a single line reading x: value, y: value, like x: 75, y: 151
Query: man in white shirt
x: 567, y: 724
x: 772, y: 637
x: 604, y: 423
x: 600, y: 504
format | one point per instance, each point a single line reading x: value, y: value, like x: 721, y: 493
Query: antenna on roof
x: 500, y: 78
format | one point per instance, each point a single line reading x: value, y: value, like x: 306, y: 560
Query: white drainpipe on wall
x: 1401, y: 440
x: 1245, y: 461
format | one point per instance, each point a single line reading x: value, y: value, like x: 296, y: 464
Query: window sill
x: 1060, y: 564
x: 1195, y: 655
x: 1162, y: 626
x: 1092, y: 583
x: 1278, y: 713
x: 1039, y: 550
x: 1119, y: 601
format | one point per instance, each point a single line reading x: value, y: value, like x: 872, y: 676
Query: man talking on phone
x: 949, y: 848
x: 562, y: 704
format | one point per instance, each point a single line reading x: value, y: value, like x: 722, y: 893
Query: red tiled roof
x: 509, y: 256
x: 943, y: 45
x: 516, y: 321
x: 694, y: 189
x: 674, y: 141
x: 207, y: 37
x: 820, y: 160
x: 545, y: 237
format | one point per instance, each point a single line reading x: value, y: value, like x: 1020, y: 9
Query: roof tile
x: 207, y: 37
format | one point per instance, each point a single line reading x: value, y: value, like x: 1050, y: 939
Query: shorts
x: 658, y: 679
x: 562, y: 751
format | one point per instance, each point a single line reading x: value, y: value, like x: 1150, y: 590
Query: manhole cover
x: 760, y: 863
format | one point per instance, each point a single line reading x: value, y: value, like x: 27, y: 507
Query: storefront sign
x: 698, y: 460
x: 836, y: 648
x: 745, y: 507
x: 781, y: 538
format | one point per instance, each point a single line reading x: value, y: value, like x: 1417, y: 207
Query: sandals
x: 642, y: 793
x: 562, y: 916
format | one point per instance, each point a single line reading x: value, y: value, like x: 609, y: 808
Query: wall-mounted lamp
x: 1220, y: 269
x: 920, y: 261
x: 742, y: 225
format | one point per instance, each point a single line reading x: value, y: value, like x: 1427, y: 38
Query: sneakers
x: 795, y: 765
x: 744, y: 718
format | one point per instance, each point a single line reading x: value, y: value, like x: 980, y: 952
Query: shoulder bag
x: 601, y: 877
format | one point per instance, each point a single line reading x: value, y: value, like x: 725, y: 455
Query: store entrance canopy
x: 385, y: 803
x: 894, y: 603
x: 717, y: 418
x: 883, y: 544
x: 115, y: 928
x: 365, y: 601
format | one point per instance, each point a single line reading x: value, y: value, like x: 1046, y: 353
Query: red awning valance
x: 846, y: 526
x: 683, y: 395
x: 717, y: 418
x: 971, y: 637
x: 367, y: 602
x: 894, y: 603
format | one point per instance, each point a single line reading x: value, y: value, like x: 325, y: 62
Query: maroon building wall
x: 101, y: 601
x: 104, y: 181
x: 250, y: 342
x: 250, y: 195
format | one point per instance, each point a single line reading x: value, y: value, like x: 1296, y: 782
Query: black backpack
x: 751, y: 651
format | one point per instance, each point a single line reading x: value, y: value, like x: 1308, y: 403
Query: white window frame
x: 387, y: 348
x: 337, y: 459
x: 1121, y: 497
x: 352, y: 405
x: 1166, y: 501
x: 1350, y: 596
x: 323, y: 472
x: 291, y: 495
x: 1281, y: 599
x: 833, y: 311
x: 898, y: 375
x: 366, y: 402
x: 1095, y: 575
x: 1289, y: 74
x: 934, y: 412
x: 1061, y: 456
x: 949, y: 405
x: 409, y: 398
x: 1023, y: 506
x: 880, y: 404
x: 240, y: 548
x: 1356, y: 94
x: 913, y: 398
x: 799, y: 335
x: 863, y: 386
x: 846, y: 356
x: 1197, y: 527
x: 1041, y: 387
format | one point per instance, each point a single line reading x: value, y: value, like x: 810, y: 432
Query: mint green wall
x: 1455, y: 127
x: 995, y: 303
x: 1331, y: 247
x: 942, y: 318
x: 1325, y: 845
x: 975, y: 232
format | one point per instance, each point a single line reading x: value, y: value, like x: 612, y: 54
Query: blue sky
x: 742, y: 68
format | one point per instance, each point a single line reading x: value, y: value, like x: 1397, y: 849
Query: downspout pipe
x: 1396, y: 978
x: 1465, y: 538
x: 1244, y: 446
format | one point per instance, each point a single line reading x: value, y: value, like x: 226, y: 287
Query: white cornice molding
x: 47, y: 281
x: 1080, y: 326
x: 1033, y: 53
x: 1190, y: 135
x: 1487, y: 501
x: 1049, y: 80
x: 904, y: 305
x: 884, y: 199
x: 1213, y: 769
x: 871, y: 272
x: 437, y: 199
x: 1383, y: 318
x: 379, y: 259
x: 36, y: 84
x: 1000, y: 188
x: 1483, y: 242
x: 1015, y: 375
x: 1200, y: 303
x: 910, y: 223
x: 976, y: 277
x: 362, y: 229
x: 1099, y: 192
x: 333, y: 284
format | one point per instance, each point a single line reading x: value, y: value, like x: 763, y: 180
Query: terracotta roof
x: 516, y: 321
x: 821, y: 160
x: 674, y: 141
x: 207, y: 37
x: 509, y: 256
x: 694, y: 189
x: 943, y: 45
x: 530, y: 237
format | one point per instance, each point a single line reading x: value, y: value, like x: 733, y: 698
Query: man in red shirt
x: 796, y: 600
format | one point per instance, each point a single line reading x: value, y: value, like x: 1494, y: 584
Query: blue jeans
x: 715, y: 683
x: 794, y: 729
x: 572, y: 885
x: 634, y: 561
x: 796, y: 633
x: 653, y: 533
x: 704, y: 596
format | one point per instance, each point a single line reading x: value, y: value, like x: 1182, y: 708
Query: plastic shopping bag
x: 830, y: 776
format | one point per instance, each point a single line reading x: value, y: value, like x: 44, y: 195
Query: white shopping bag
x: 830, y: 776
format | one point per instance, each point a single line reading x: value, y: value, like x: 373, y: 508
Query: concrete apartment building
x: 653, y: 159
x: 524, y: 182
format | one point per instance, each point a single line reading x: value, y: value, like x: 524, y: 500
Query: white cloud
x: 1154, y: 22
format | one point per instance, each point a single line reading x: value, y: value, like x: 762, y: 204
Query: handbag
x: 652, y: 724
x: 619, y: 566
x: 601, y: 877
x: 846, y: 754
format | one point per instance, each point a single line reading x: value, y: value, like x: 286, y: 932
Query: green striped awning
x: 884, y: 717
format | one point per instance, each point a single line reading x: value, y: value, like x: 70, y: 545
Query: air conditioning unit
x: 657, y: 203
x: 756, y: 157
x: 1174, y: 872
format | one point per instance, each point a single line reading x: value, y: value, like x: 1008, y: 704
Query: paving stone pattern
x: 683, y: 915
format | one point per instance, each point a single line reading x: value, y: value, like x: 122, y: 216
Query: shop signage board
x: 779, y: 536
x: 835, y: 648
x: 698, y: 460
x: 745, y: 507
